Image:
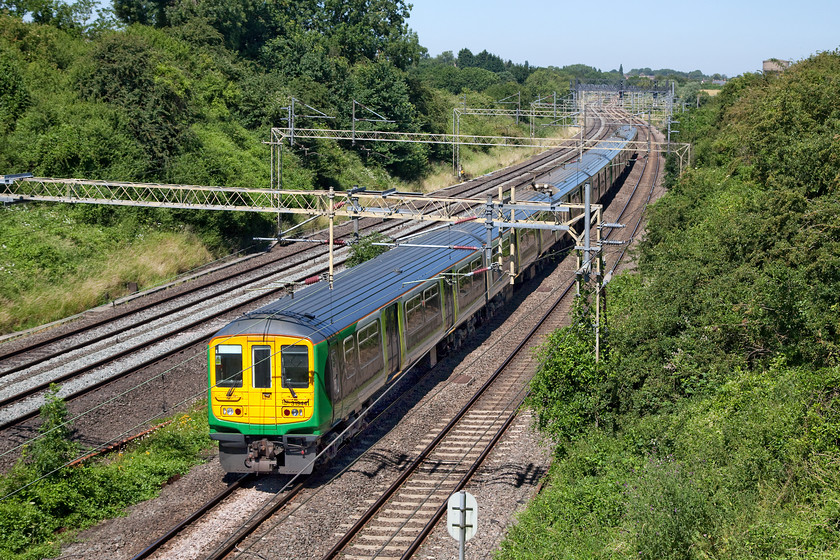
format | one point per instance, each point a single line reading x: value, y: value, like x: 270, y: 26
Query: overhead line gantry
x: 353, y: 204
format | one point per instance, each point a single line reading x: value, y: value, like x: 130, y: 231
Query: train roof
x: 566, y: 178
x: 316, y: 312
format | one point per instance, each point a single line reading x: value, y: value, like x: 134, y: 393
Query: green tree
x: 143, y: 12
x: 14, y: 95
x: 383, y: 87
x: 465, y: 58
x: 245, y: 25
x: 545, y: 81
x: 127, y: 72
x: 367, y: 29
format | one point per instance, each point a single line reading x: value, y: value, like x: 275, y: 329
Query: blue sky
x: 726, y: 37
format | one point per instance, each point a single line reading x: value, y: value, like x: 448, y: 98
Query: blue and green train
x: 286, y: 379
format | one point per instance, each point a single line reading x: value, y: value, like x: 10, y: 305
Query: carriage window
x: 470, y: 287
x: 431, y: 301
x: 370, y: 348
x: 295, y: 366
x: 414, y: 313
x: 229, y: 365
x: 465, y: 282
x: 350, y: 356
x: 261, y: 366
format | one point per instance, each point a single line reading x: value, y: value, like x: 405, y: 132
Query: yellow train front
x: 263, y: 399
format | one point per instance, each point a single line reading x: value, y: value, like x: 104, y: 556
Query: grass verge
x: 53, y: 265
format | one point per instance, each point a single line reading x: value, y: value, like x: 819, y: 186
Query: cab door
x: 263, y: 383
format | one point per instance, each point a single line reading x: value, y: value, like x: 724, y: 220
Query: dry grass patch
x: 150, y: 261
x: 476, y: 163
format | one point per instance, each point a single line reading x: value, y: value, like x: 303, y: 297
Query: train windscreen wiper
x: 288, y: 381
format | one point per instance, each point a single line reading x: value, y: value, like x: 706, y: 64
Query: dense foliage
x: 713, y: 429
x: 186, y: 92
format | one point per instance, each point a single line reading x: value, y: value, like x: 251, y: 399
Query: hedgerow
x: 721, y: 382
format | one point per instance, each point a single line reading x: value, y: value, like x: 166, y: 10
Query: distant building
x: 775, y: 65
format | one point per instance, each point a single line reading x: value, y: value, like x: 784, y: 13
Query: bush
x: 365, y: 250
x: 44, y: 504
x: 570, y: 390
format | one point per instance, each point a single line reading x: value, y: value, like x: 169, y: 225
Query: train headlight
x: 227, y: 411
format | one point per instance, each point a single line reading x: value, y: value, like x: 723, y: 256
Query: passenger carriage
x: 286, y: 379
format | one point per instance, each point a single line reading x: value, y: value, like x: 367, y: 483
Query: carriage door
x: 263, y: 386
x: 448, y: 304
x: 392, y: 339
x: 334, y: 372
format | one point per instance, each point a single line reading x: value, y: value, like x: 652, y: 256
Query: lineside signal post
x: 462, y: 519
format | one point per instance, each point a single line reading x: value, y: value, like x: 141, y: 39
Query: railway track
x: 396, y: 523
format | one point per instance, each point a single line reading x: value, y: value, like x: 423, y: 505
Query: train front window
x: 229, y: 365
x: 295, y: 366
x: 261, y: 363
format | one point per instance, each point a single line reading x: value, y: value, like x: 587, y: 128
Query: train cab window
x: 350, y: 356
x: 261, y: 366
x: 294, y: 362
x: 228, y: 365
x: 370, y: 349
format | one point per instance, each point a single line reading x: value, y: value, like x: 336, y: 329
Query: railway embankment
x: 712, y: 427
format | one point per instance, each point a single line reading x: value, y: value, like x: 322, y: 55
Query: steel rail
x: 207, y: 506
x: 412, y: 468
x: 429, y: 526
x: 229, y: 545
